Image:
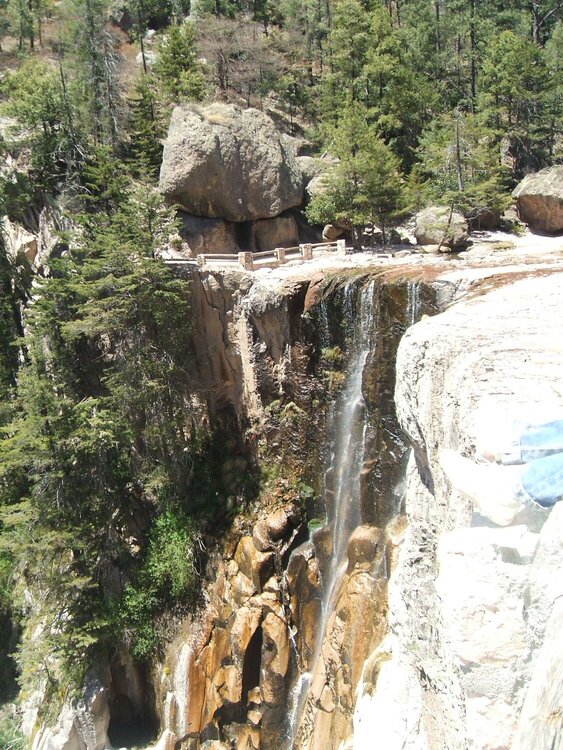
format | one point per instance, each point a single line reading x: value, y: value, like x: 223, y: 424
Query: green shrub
x: 168, y: 577
x: 10, y: 736
x: 333, y: 356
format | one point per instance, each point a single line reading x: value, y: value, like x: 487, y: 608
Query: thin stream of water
x: 348, y: 429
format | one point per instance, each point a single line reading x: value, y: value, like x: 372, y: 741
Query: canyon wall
x: 469, y: 660
x: 439, y: 626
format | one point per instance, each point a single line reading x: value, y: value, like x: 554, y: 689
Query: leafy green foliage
x: 36, y: 99
x: 461, y: 162
x: 513, y: 86
x: 10, y: 736
x: 101, y: 436
x: 168, y: 575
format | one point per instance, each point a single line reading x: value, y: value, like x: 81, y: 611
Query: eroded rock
x: 439, y: 225
x: 271, y: 233
x: 207, y: 235
x: 362, y: 546
x: 225, y: 162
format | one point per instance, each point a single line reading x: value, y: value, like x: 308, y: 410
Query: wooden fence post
x: 280, y: 254
x: 200, y: 261
x: 341, y: 247
x: 306, y: 251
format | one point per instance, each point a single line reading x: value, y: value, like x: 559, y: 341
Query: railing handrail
x: 264, y: 254
x: 279, y: 255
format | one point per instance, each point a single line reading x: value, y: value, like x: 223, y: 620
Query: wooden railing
x: 269, y: 258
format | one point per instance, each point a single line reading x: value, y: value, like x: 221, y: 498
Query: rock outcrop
x: 438, y: 225
x: 539, y: 199
x: 409, y: 656
x: 79, y: 727
x: 268, y: 234
x: 33, y: 245
x: 225, y: 675
x: 207, y: 235
x: 225, y: 162
x: 473, y: 607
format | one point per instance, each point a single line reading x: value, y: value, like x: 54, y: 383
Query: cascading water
x: 413, y: 302
x: 347, y: 429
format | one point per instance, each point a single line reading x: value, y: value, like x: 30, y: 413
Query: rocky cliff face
x: 411, y: 618
x: 472, y: 606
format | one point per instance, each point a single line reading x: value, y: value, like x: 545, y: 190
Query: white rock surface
x: 81, y: 727
x: 469, y: 601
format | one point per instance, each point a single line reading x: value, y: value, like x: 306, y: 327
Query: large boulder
x: 225, y: 162
x: 207, y: 235
x: 438, y: 225
x: 268, y: 234
x: 539, y: 198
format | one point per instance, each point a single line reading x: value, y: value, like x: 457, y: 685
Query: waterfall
x: 181, y: 689
x: 413, y: 302
x: 347, y: 428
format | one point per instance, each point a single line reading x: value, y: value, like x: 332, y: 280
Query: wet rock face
x: 354, y: 627
x: 539, y: 199
x: 231, y: 680
x: 226, y: 162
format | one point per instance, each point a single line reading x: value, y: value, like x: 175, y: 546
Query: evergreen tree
x: 92, y: 49
x: 38, y: 101
x: 349, y: 41
x: 177, y: 66
x: 400, y: 101
x: 145, y: 130
x: 365, y: 185
x: 513, y: 88
x: 102, y: 434
x: 460, y: 161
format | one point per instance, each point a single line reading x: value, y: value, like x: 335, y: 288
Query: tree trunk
x: 458, y: 163
x: 473, y: 54
x: 437, y: 15
x: 357, y: 238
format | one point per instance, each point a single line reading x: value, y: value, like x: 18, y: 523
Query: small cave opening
x: 133, y: 722
x: 243, y: 235
x: 127, y: 727
x: 252, y: 663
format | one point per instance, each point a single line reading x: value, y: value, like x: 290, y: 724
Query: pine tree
x: 513, y: 87
x: 39, y: 102
x: 145, y: 130
x: 177, y: 67
x: 460, y: 161
x: 365, y: 185
x: 101, y: 432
